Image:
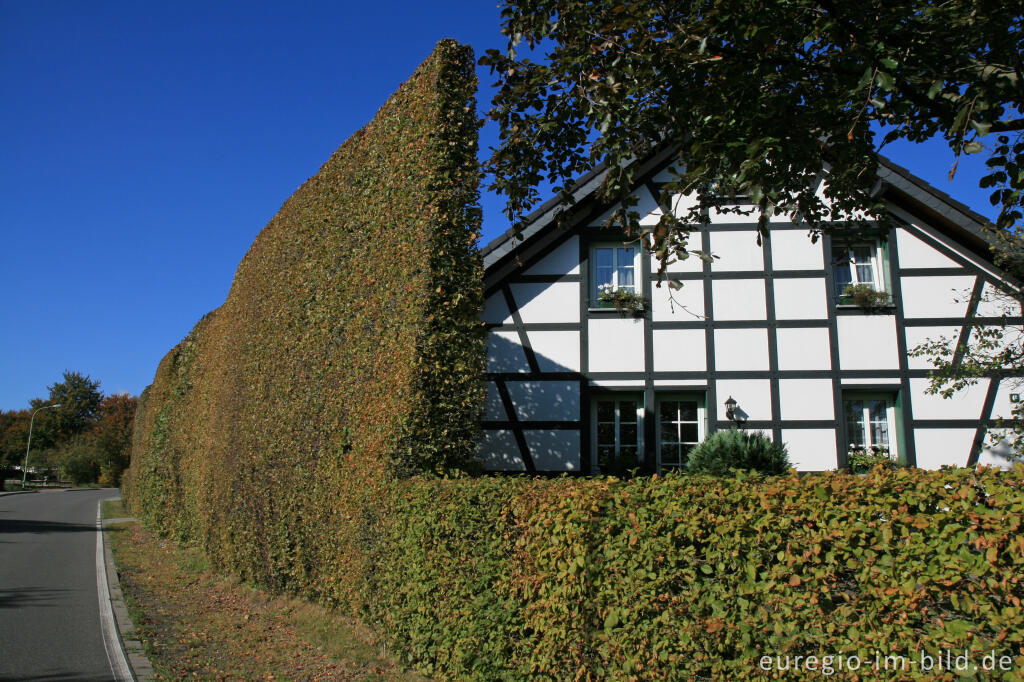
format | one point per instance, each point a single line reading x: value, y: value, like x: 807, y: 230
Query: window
x: 870, y: 425
x: 680, y: 428
x: 615, y: 266
x: 619, y: 436
x: 858, y: 263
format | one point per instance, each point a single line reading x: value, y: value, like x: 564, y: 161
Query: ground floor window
x: 619, y: 440
x: 618, y: 431
x: 680, y: 428
x: 870, y: 425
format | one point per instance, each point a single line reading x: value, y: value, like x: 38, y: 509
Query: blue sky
x: 146, y: 144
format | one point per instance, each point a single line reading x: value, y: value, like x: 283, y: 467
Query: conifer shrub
x: 724, y: 451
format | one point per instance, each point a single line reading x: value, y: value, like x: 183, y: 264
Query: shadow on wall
x: 531, y: 424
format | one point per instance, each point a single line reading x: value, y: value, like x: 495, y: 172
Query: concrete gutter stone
x: 142, y: 669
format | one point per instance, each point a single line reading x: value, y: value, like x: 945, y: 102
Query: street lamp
x: 31, y: 423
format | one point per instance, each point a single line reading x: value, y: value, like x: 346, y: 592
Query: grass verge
x: 194, y: 623
x: 114, y: 509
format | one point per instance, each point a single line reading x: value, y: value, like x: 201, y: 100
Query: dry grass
x: 199, y: 625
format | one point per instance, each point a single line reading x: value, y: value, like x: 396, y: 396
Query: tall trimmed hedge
x: 348, y: 351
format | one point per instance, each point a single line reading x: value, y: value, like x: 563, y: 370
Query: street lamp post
x: 31, y: 423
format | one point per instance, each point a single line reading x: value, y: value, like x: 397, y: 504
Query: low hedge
x: 693, y: 576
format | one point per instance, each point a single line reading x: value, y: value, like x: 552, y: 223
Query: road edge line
x: 115, y: 625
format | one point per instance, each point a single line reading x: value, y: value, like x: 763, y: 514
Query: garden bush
x: 724, y: 451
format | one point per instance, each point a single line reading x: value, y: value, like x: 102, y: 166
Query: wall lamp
x: 735, y: 413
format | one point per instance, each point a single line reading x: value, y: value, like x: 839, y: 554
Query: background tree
x: 79, y: 398
x: 757, y: 97
x: 89, y: 436
x: 13, y: 436
x: 112, y: 436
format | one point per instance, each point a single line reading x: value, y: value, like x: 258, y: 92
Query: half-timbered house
x: 576, y: 384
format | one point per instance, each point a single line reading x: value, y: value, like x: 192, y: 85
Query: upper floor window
x: 614, y: 267
x: 859, y: 267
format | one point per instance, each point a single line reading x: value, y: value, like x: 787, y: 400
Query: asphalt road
x: 49, y: 606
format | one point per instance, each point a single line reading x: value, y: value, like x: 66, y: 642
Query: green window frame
x: 615, y: 265
x: 682, y: 424
x: 617, y: 433
x: 862, y: 261
x: 873, y: 424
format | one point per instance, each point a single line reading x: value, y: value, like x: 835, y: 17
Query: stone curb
x: 142, y: 669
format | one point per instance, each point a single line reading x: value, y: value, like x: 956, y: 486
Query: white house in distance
x: 576, y: 385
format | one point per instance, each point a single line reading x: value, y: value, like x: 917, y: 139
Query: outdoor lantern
x: 735, y: 413
x: 730, y: 409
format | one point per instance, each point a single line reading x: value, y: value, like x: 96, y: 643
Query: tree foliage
x: 79, y: 397
x: 89, y: 435
x: 993, y: 352
x: 757, y: 97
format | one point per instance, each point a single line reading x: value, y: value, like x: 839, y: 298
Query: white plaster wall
x: 996, y: 451
x: 919, y: 335
x: 684, y: 304
x: 811, y: 449
x: 867, y: 342
x: 753, y: 395
x: 667, y: 174
x: 935, y: 448
x: 800, y: 299
x: 687, y: 383
x: 564, y: 260
x: 646, y: 205
x: 994, y: 303
x: 936, y: 296
x: 741, y: 349
x: 806, y: 399
x: 499, y: 452
x: 618, y: 383
x: 505, y: 354
x: 554, y: 450
x: 495, y: 310
x: 545, y: 400
x: 793, y: 250
x: 736, y: 251
x: 494, y: 410
x: 682, y: 203
x: 964, y: 404
x: 616, y: 344
x: 679, y: 350
x: 556, y: 351
x: 738, y: 299
x: 801, y: 349
x: 1003, y: 407
x: 547, y: 302
x: 690, y: 264
x: 914, y: 253
x: 894, y: 381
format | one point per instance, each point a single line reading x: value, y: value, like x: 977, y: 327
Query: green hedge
x: 349, y: 350
x: 671, y: 578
